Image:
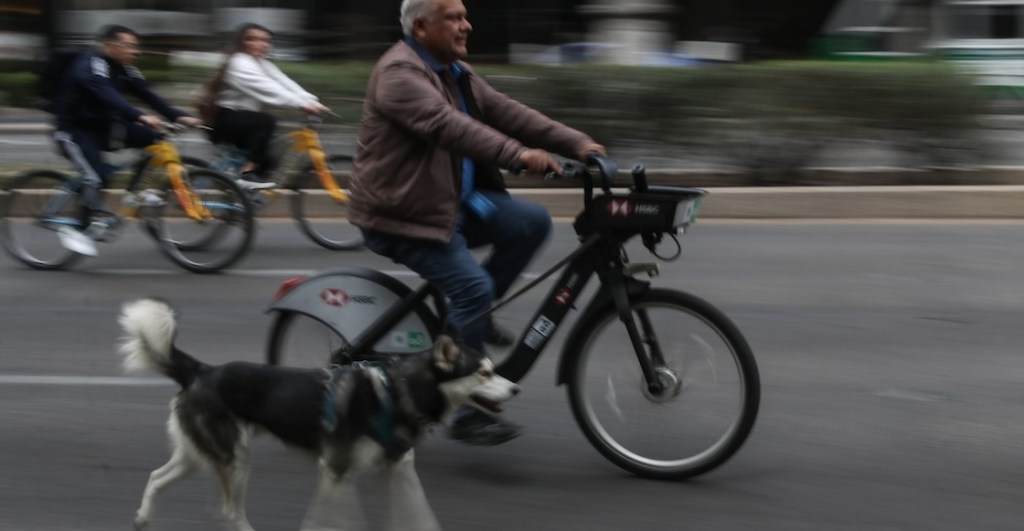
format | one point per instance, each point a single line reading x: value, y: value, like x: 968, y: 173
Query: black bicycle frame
x: 599, y: 253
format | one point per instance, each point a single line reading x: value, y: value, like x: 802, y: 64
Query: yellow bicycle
x: 319, y: 201
x: 179, y: 207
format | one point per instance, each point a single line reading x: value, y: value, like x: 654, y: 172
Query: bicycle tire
x: 331, y: 229
x: 138, y: 183
x: 301, y: 340
x: 305, y: 332
x: 679, y: 434
x: 231, y: 209
x: 26, y: 234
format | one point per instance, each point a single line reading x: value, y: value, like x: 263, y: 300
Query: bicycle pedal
x: 105, y: 229
x: 651, y: 269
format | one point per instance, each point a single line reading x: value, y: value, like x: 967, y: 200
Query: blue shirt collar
x: 433, y: 63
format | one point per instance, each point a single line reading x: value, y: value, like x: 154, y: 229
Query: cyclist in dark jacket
x: 93, y: 116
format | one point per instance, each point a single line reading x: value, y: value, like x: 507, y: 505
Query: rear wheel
x: 703, y: 407
x: 35, y: 205
x: 317, y: 319
x: 322, y: 218
x: 299, y: 340
x: 202, y: 245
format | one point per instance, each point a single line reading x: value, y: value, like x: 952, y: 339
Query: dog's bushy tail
x: 148, y: 344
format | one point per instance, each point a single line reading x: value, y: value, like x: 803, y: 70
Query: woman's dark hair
x: 238, y: 39
x: 110, y: 33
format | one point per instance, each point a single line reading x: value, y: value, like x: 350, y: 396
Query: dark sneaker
x: 498, y: 336
x: 480, y: 429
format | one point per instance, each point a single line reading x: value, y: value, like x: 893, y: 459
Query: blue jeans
x: 516, y: 232
x: 84, y: 149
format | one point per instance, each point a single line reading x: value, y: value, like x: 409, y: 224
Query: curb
x: 6, y: 128
x: 825, y: 203
x: 1001, y: 196
x: 838, y: 202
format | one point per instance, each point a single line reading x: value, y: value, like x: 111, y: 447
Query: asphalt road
x: 890, y: 359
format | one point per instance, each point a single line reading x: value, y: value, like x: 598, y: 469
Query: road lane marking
x: 106, y: 381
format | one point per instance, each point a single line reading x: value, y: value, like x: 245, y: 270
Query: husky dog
x: 350, y: 418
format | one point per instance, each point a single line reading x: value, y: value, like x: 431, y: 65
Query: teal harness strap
x: 383, y: 422
x: 330, y: 418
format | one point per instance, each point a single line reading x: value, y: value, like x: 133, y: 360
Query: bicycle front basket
x: 659, y: 209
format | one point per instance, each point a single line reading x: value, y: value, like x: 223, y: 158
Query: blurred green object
x: 769, y: 119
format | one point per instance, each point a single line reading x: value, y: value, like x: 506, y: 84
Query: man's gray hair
x: 412, y: 10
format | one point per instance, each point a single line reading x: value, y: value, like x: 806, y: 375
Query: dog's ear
x: 445, y: 353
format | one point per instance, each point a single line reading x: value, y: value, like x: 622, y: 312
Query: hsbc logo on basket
x: 620, y: 208
x: 338, y: 297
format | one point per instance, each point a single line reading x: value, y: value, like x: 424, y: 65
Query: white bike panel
x: 350, y: 304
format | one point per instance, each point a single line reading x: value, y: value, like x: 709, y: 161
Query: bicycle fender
x: 601, y: 303
x: 350, y: 299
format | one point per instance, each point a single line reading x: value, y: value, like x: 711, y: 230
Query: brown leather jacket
x: 407, y: 176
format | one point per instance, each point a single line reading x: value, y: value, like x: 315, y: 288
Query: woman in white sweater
x: 249, y: 83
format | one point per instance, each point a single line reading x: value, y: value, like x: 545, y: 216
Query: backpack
x: 50, y: 76
x: 206, y: 99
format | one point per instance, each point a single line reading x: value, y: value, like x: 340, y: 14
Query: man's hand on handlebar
x: 189, y: 121
x: 590, y: 149
x: 539, y: 161
x: 315, y: 107
x: 151, y: 121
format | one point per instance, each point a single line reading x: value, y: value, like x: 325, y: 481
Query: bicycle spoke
x: 37, y: 204
x: 323, y: 219
x: 700, y: 411
x: 210, y: 243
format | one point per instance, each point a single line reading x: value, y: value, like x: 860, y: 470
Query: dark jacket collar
x: 431, y: 61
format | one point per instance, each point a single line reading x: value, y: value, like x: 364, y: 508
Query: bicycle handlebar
x: 313, y: 118
x: 607, y: 168
x: 170, y: 129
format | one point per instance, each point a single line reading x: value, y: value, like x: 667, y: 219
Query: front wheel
x: 226, y: 232
x: 324, y: 219
x: 704, y: 405
x: 143, y: 185
x: 36, y: 204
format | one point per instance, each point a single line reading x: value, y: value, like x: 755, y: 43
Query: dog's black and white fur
x: 351, y: 418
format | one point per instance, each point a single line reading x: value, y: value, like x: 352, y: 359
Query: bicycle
x: 173, y: 203
x: 308, y: 173
x: 689, y: 362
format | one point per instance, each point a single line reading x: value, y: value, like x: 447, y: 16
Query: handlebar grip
x: 517, y: 167
x: 608, y: 168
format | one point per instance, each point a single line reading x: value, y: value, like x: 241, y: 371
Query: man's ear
x: 445, y: 353
x: 419, y: 28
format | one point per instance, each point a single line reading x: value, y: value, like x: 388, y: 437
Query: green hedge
x: 768, y: 119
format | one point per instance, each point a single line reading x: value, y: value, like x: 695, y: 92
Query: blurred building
x: 23, y: 28
x: 985, y: 37
x: 363, y: 28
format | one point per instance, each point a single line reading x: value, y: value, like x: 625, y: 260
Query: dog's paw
x: 140, y: 523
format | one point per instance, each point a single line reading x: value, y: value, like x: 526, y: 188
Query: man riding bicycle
x: 92, y: 116
x: 426, y: 185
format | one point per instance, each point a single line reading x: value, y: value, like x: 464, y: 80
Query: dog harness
x: 383, y: 422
